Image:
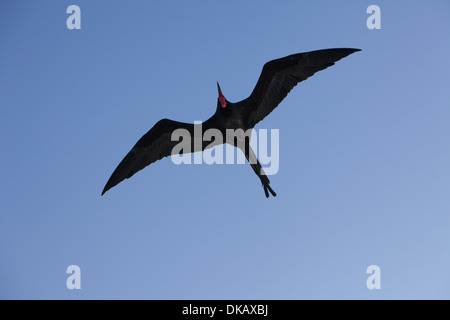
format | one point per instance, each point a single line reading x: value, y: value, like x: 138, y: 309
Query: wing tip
x: 104, y: 191
x: 353, y: 50
x: 348, y: 50
x: 108, y: 186
x: 341, y: 53
x: 342, y: 50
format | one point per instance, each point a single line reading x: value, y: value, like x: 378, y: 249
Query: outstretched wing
x: 153, y: 146
x: 279, y: 76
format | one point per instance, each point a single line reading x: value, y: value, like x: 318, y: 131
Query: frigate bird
x: 277, y: 79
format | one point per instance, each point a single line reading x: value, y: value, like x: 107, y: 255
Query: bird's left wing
x: 153, y: 146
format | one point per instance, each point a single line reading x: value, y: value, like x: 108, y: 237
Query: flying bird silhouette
x: 277, y: 79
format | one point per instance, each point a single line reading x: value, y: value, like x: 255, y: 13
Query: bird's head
x: 221, y: 100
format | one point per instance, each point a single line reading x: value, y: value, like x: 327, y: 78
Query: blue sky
x: 364, y: 173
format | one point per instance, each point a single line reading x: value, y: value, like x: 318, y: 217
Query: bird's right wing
x: 279, y: 76
x: 153, y: 146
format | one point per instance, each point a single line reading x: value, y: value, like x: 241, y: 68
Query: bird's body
x: 277, y: 79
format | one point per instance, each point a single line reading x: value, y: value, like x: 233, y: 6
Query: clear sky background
x: 364, y: 152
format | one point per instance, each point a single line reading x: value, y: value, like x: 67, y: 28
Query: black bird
x: 277, y: 79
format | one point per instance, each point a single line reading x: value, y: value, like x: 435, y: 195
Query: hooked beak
x: 218, y: 88
x: 222, y: 100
